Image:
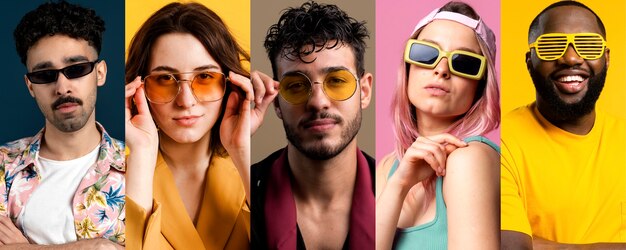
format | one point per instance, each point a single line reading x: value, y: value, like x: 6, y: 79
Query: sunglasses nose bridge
x: 570, y: 55
x: 185, y: 97
x: 443, y: 68
x: 62, y: 83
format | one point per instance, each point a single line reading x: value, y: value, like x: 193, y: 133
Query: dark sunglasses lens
x: 78, y: 70
x: 423, y: 53
x: 466, y: 64
x: 44, y: 76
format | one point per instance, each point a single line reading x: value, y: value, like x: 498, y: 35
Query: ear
x: 29, y: 85
x: 528, y: 61
x: 277, y: 108
x: 101, y: 72
x: 366, y: 89
x: 607, y: 56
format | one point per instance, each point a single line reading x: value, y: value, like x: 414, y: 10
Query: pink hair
x: 482, y: 117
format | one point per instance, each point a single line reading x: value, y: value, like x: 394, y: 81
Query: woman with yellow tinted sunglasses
x: 188, y: 127
x: 440, y: 188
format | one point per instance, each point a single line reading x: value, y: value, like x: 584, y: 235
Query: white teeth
x: 574, y: 78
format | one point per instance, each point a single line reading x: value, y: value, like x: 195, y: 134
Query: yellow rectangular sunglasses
x: 460, y: 62
x: 552, y: 46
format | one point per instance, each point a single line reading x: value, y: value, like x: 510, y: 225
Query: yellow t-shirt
x: 560, y: 186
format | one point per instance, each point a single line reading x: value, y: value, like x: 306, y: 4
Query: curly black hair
x: 58, y: 18
x: 320, y: 26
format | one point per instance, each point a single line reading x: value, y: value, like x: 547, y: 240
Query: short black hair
x: 533, y: 30
x: 315, y: 25
x: 58, y: 18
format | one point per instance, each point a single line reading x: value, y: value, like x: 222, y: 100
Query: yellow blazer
x: 223, y: 222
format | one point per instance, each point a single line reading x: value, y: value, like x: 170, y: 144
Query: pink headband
x: 478, y: 26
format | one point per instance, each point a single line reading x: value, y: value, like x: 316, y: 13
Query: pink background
x: 395, y: 21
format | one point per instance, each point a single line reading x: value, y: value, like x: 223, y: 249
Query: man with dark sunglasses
x: 318, y: 192
x: 563, y: 165
x: 63, y: 187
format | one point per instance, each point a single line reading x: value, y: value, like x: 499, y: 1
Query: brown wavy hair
x: 206, y: 26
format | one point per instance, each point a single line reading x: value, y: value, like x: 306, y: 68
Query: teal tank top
x: 434, y: 234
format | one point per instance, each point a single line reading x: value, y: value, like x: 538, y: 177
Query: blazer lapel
x: 176, y: 225
x: 224, y: 196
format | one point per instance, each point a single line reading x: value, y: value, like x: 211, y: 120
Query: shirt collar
x: 110, y: 155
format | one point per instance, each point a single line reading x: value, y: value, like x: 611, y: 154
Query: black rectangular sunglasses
x: 70, y: 72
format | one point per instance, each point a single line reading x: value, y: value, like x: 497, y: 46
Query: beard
x: 69, y: 122
x: 317, y: 149
x: 561, y: 110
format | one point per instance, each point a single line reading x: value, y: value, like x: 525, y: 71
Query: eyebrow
x: 459, y: 48
x: 174, y: 70
x: 67, y: 61
x: 324, y: 70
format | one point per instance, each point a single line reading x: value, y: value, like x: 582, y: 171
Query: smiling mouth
x: 570, y: 84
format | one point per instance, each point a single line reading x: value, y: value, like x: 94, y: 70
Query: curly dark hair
x: 58, y: 18
x: 321, y: 26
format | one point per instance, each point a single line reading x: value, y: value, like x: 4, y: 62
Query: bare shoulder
x: 471, y: 192
x: 476, y: 156
x: 475, y: 168
x: 382, y: 171
x: 385, y: 164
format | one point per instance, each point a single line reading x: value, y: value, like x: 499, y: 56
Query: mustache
x: 575, y: 67
x: 321, y: 115
x: 66, y: 99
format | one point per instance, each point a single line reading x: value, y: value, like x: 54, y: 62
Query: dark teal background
x: 19, y: 115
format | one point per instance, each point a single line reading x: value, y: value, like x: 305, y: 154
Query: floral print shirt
x: 98, y: 205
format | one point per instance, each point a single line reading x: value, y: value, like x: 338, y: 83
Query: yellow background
x: 517, y: 87
x: 235, y: 13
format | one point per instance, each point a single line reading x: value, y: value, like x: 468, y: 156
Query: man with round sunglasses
x: 63, y: 187
x: 563, y: 166
x: 321, y: 180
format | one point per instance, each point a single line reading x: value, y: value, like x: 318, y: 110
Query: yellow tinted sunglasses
x: 460, y: 62
x: 338, y: 85
x: 552, y: 46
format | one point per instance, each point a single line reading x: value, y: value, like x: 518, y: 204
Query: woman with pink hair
x: 439, y: 189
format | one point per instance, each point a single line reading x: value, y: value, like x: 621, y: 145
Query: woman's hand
x: 142, y: 140
x: 141, y: 132
x: 427, y: 155
x: 240, y: 120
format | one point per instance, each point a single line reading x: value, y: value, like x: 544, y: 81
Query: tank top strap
x: 484, y: 140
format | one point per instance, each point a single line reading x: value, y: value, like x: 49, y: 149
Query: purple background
x: 395, y: 21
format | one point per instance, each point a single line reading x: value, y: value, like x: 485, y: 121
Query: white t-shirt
x: 48, y: 216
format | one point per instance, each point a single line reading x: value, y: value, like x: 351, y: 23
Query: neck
x: 428, y: 125
x: 62, y: 146
x: 579, y: 126
x: 323, y: 180
x: 186, y: 157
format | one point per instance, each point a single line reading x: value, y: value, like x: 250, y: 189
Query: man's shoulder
x: 112, y: 143
x: 615, y: 123
x: 268, y: 161
x: 117, y: 145
x: 10, y: 150
x: 518, y: 114
x: 371, y: 162
x: 519, y: 121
